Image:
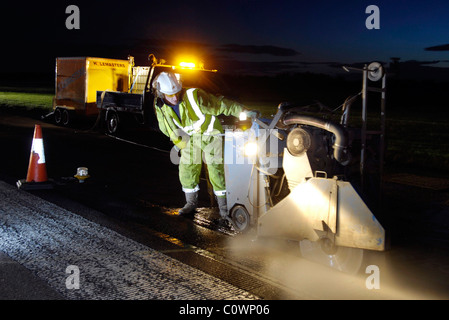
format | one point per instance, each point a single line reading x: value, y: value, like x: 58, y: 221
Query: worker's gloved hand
x: 253, y: 114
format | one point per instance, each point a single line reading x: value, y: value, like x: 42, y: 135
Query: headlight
x: 250, y: 149
x: 243, y: 116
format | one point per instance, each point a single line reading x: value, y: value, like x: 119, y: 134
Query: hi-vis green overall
x: 197, y: 133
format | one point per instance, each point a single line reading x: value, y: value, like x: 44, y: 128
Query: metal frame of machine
x: 283, y: 192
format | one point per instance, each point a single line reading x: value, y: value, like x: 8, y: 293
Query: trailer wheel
x: 58, y: 116
x: 112, y: 121
x: 65, y: 117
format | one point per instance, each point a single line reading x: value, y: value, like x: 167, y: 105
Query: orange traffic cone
x: 37, y: 170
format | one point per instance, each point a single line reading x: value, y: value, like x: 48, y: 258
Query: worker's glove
x: 253, y: 114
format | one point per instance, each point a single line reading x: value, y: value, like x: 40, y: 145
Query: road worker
x: 188, y: 117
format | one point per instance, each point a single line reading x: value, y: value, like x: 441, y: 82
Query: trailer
x: 77, y: 81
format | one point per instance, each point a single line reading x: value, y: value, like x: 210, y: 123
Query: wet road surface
x: 134, y: 191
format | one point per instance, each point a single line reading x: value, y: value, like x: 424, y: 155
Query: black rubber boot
x: 225, y: 220
x: 223, y: 206
x: 191, y: 204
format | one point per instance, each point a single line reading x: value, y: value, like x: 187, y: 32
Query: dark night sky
x: 243, y: 36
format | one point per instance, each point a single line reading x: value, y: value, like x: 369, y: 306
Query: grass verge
x: 26, y: 100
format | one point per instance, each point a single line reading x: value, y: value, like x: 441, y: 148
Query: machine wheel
x: 323, y: 251
x: 240, y: 218
x: 112, y: 121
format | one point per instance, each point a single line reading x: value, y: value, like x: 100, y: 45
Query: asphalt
x: 19, y: 283
x: 50, y: 249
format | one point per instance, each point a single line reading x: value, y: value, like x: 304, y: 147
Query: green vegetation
x: 26, y: 100
x: 419, y: 143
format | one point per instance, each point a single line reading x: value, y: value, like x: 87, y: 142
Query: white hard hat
x: 166, y: 82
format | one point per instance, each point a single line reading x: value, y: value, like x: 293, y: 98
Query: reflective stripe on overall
x: 205, y: 139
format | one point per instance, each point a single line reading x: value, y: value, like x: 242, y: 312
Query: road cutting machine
x: 306, y: 177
